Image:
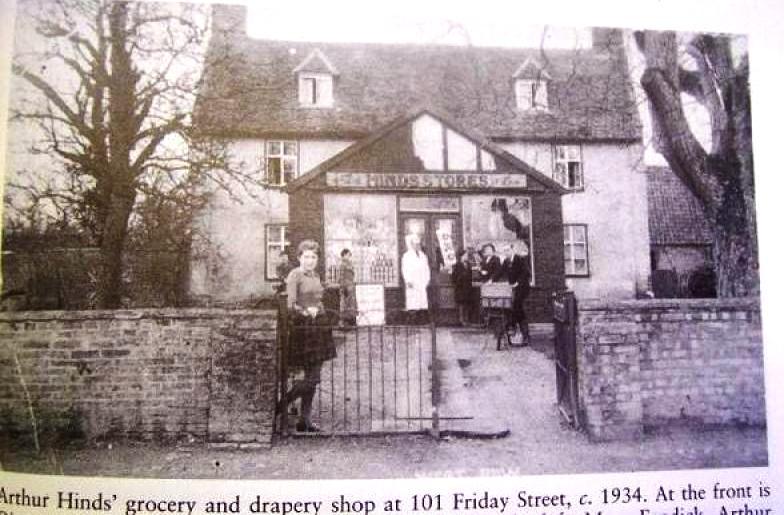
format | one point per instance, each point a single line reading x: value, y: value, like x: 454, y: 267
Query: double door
x: 441, y: 239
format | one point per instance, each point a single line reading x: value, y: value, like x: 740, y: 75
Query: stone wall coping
x: 135, y: 314
x: 744, y: 303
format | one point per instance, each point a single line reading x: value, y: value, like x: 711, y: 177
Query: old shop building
x: 423, y: 174
x: 551, y: 137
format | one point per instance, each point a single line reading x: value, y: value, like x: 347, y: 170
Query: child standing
x: 348, y: 297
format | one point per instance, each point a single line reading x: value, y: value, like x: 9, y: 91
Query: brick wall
x: 164, y: 375
x: 646, y: 363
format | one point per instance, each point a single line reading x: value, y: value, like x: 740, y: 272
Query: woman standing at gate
x: 310, y: 333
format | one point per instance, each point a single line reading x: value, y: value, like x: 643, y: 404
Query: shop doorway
x: 441, y: 236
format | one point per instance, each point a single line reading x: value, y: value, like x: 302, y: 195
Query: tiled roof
x: 253, y: 91
x: 674, y: 214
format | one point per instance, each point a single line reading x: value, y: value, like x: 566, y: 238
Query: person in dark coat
x: 461, y: 278
x: 348, y: 297
x: 490, y: 266
x: 516, y: 268
x: 310, y: 336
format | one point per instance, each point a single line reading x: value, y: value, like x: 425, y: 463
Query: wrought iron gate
x: 382, y: 380
x: 565, y: 322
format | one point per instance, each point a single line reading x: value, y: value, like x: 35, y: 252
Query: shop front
x: 371, y: 197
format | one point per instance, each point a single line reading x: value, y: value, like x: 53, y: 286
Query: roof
x: 675, y: 216
x: 531, y: 69
x: 316, y: 62
x: 250, y: 89
x: 477, y: 138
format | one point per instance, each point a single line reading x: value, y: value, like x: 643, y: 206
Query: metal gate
x: 381, y: 380
x: 565, y: 322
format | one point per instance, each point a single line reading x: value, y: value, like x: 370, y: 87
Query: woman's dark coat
x: 461, y: 278
x: 517, y: 271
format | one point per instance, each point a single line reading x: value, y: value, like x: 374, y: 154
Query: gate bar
x: 435, y: 393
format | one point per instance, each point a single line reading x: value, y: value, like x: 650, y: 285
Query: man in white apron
x: 416, y: 276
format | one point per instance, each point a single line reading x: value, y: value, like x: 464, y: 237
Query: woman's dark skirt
x: 310, y: 341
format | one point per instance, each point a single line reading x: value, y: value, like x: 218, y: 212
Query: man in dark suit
x: 516, y: 268
x: 490, y: 265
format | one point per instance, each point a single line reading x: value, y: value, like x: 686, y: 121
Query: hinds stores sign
x: 430, y: 181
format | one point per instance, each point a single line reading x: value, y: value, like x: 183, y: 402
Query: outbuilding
x: 422, y: 173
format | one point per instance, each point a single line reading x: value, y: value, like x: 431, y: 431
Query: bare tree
x: 115, y: 87
x: 721, y: 177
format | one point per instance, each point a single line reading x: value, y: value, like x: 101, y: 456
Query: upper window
x: 315, y: 90
x: 576, y: 250
x: 568, y: 167
x: 531, y: 94
x: 280, y: 162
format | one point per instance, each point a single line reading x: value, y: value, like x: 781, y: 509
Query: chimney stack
x: 229, y: 19
x: 607, y: 40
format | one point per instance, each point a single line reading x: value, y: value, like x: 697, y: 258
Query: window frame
x: 354, y: 242
x: 320, y: 95
x: 286, y: 243
x: 283, y: 157
x: 537, y: 98
x: 580, y: 161
x: 572, y: 241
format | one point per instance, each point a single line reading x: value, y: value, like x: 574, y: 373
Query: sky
x: 390, y: 25
x: 394, y: 23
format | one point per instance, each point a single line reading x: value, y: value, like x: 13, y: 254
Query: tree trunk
x: 722, y: 179
x: 122, y: 87
x: 110, y: 287
x: 734, y: 240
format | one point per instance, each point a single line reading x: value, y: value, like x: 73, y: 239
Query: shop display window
x: 367, y: 226
x: 498, y: 220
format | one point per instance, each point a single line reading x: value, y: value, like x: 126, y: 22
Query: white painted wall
x: 313, y: 152
x: 615, y: 208
x: 613, y: 205
x: 230, y: 265
x: 538, y: 155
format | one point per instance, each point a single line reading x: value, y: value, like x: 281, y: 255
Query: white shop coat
x: 416, y: 276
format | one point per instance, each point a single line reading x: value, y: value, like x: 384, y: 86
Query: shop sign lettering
x: 429, y: 181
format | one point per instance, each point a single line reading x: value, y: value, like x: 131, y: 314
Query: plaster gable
x: 426, y: 141
x: 316, y: 62
x: 531, y: 69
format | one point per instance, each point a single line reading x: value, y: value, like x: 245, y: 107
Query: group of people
x: 514, y: 269
x: 311, y: 341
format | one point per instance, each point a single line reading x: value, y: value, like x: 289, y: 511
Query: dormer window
x: 315, y: 80
x: 530, y: 85
x: 315, y: 90
x: 531, y: 94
